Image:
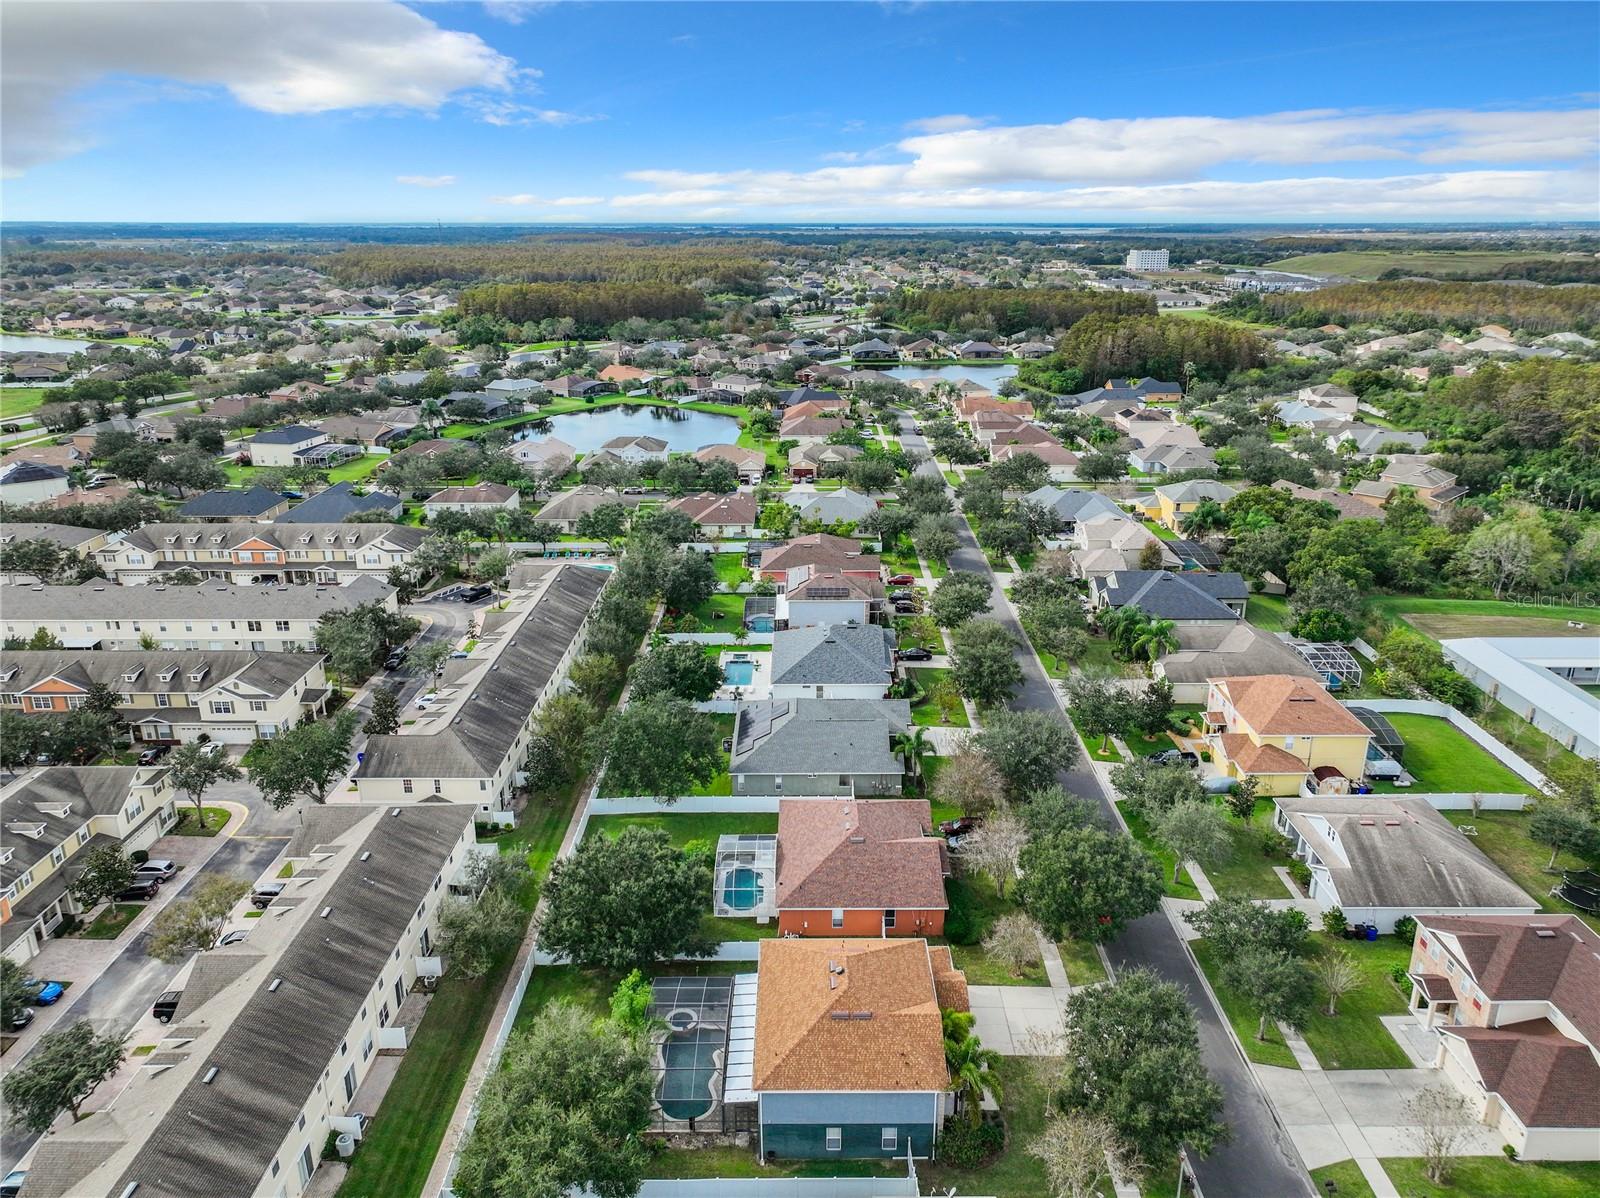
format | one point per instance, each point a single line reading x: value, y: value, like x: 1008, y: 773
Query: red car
x: 902, y: 580
x: 959, y: 827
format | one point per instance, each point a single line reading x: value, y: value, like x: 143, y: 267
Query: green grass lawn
x: 1100, y: 748
x: 1346, y: 1177
x: 1496, y: 1177
x: 715, y: 1161
x: 973, y: 900
x: 1243, y: 1015
x: 1399, y: 607
x: 689, y: 825
x: 1371, y: 264
x: 357, y: 469
x: 722, y: 612
x: 19, y: 401
x: 926, y: 712
x: 730, y: 567
x: 1354, y: 1039
x: 1015, y: 1173
x: 1521, y: 737
x: 1248, y: 870
x: 1082, y: 962
x: 212, y: 821
x: 1270, y: 613
x: 1502, y: 836
x: 903, y: 628
x: 1445, y: 761
x: 1183, y: 888
x: 591, y: 988
x: 109, y: 924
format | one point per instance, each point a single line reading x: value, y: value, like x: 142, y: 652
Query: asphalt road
x: 1258, y: 1161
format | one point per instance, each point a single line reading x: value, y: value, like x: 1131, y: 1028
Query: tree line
x: 1104, y: 346
x: 593, y: 306
x: 1408, y: 306
x: 1008, y: 311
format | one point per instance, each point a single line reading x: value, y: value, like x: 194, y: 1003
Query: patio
x: 745, y: 675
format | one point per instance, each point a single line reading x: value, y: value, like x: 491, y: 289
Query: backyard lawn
x: 1496, y: 1177
x: 717, y: 1161
x: 1445, y: 761
x: 1270, y: 613
x: 730, y: 567
x: 689, y: 825
x: 925, y: 711
x: 722, y: 612
x: 1502, y: 836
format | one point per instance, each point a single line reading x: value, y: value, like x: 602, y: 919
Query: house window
x: 889, y: 1140
x: 282, y: 625
x: 221, y: 707
x: 405, y: 785
x: 383, y: 1015
x: 252, y: 625
x: 838, y: 917
x: 835, y: 1140
x: 306, y: 1164
x: 163, y: 700
x: 258, y: 704
x: 349, y: 1083
x: 41, y: 702
x: 438, y: 786
x: 888, y: 920
x: 399, y: 991
x: 58, y: 855
x: 366, y: 1046
x: 84, y: 834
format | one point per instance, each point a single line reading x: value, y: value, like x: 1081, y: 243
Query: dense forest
x: 711, y: 265
x: 1408, y: 307
x: 595, y: 306
x: 1103, y: 346
x: 1007, y: 311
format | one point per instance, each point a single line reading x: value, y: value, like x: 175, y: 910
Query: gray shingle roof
x: 1164, y: 595
x: 1074, y: 503
x: 840, y: 654
x: 271, y: 673
x: 254, y: 502
x: 289, y: 434
x: 337, y: 502
x: 816, y: 736
x: 102, y: 600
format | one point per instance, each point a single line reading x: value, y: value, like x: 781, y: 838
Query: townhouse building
x: 261, y: 554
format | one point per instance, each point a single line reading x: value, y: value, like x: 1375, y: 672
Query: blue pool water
x: 689, y: 1061
x: 739, y: 673
x: 741, y: 889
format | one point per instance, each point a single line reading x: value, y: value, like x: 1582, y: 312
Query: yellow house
x: 1278, y: 728
x: 1170, y: 504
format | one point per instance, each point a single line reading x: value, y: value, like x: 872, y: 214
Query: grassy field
x: 1270, y: 613
x: 926, y: 712
x: 1444, y: 761
x: 1354, y: 1039
x: 1369, y: 264
x: 1496, y: 1177
x: 1467, y: 617
x: 1502, y: 836
x: 1218, y: 317
x: 722, y: 612
x: 1243, y: 1016
x: 730, y: 567
x: 19, y: 401
x: 681, y: 829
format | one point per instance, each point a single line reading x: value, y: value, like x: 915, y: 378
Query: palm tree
x: 973, y: 1068
x: 1153, y: 638
x: 1207, y: 517
x: 1120, y: 626
x: 912, y: 746
x: 431, y: 413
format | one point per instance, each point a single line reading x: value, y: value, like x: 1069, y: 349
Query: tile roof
x: 735, y: 509
x: 819, y: 549
x: 848, y: 1015
x: 1278, y: 704
x: 859, y: 854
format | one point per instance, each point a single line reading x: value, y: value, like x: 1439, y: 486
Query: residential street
x: 1259, y: 1160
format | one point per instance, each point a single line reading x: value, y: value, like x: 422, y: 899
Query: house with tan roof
x: 848, y: 867
x: 1278, y: 728
x: 848, y: 1053
x: 822, y: 551
x: 750, y: 464
x: 720, y: 515
x: 1515, y: 1001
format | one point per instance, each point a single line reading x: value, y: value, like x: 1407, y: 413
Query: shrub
x: 1333, y: 921
x: 969, y: 1145
x: 1399, y: 976
x: 1300, y: 872
x: 964, y: 922
x: 1405, y: 928
x: 138, y: 856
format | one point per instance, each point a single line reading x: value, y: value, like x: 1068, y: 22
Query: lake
x: 16, y: 343
x: 985, y: 376
x: 684, y: 430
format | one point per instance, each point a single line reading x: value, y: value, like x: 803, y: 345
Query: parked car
x: 904, y: 593
x: 21, y: 1018
x: 959, y: 826
x: 1173, y: 757
x: 907, y: 608
x: 212, y: 748
x: 154, y: 754
x: 235, y: 936
x: 914, y: 654
x: 395, y: 659
x: 11, y: 1183
x: 261, y: 897
x: 142, y: 890
x: 901, y: 580
x: 956, y: 843
x: 475, y: 593
x: 166, y: 1006
x: 157, y: 869
x: 47, y: 992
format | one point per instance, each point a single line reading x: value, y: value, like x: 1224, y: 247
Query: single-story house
x: 807, y: 462
x: 833, y: 661
x: 818, y: 551
x: 546, y: 452
x: 1382, y: 857
x: 335, y: 504
x: 256, y: 504
x: 831, y: 507
x: 1225, y: 650
x: 818, y: 747
x: 749, y: 464
x: 1193, y: 597
x: 1071, y: 504
x: 720, y: 515
x: 567, y: 508
x: 32, y: 482
x: 483, y: 497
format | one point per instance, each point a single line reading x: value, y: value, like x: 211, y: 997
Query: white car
x: 427, y: 700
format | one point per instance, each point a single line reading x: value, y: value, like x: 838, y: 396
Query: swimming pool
x: 738, y: 673
x: 742, y: 889
x: 689, y: 1060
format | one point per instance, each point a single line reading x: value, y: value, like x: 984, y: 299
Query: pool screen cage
x: 691, y: 1017
x: 1340, y: 668
x: 746, y: 876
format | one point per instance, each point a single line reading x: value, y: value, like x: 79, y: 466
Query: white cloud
x: 425, y: 180
x: 952, y: 123
x: 308, y: 58
x: 1514, y: 164
x: 529, y: 200
x: 495, y: 110
x: 513, y: 12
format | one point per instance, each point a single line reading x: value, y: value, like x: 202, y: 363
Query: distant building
x: 1147, y: 260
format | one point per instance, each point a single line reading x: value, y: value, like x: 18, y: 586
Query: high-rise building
x: 1147, y: 260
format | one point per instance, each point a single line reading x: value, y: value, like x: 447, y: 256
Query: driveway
x: 1010, y: 1019
x: 1259, y: 1158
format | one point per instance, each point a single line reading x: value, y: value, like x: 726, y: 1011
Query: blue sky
x: 377, y: 111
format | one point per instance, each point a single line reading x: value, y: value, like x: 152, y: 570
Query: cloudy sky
x: 372, y: 110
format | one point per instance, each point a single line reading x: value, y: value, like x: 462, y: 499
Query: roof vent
x: 324, y: 913
x: 858, y: 840
x: 366, y: 854
x: 274, y: 984
x: 1544, y: 933
x: 210, y: 1076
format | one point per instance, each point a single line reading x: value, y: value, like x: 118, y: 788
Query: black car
x: 166, y: 1006
x: 905, y: 608
x: 141, y: 890
x: 903, y: 593
x: 395, y: 659
x: 473, y: 594
x: 154, y: 754
x: 21, y: 1018
x: 914, y: 654
x: 1174, y: 757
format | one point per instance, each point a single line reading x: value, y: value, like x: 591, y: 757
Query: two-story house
x: 1278, y: 728
x: 52, y: 814
x: 261, y: 554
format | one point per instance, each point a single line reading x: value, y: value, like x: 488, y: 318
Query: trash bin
x: 345, y: 1144
x: 1372, y: 931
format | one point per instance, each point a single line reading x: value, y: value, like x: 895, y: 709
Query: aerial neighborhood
x: 787, y: 719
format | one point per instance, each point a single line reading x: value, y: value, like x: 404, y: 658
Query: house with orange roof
x: 1278, y: 728
x: 847, y: 1059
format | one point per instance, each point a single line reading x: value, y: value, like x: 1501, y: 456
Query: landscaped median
x: 1470, y: 1177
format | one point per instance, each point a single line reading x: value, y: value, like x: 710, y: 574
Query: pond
x: 16, y: 343
x: 684, y: 430
x: 985, y: 376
